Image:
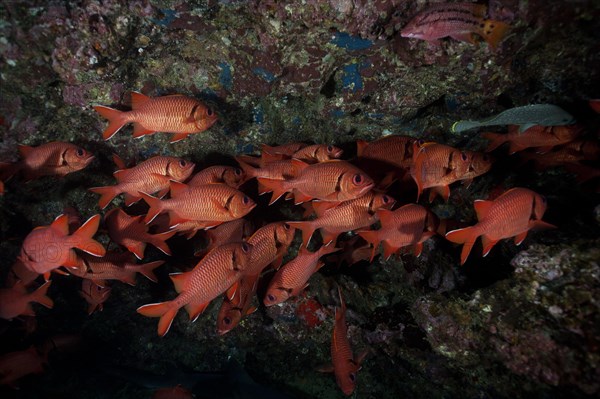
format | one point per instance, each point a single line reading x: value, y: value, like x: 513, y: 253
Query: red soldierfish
x: 410, y: 224
x: 150, y: 176
x: 132, y: 233
x: 345, y: 365
x: 49, y: 247
x: 177, y: 392
x: 16, y: 301
x: 233, y: 309
x: 512, y: 214
x: 394, y: 150
x: 437, y: 166
x: 233, y: 177
x: 116, y: 266
x: 284, y: 149
x: 271, y: 243
x: 214, y: 203
x: 51, y: 159
x: 169, y: 114
x: 347, y: 216
x: 15, y: 365
x: 228, y: 232
x: 217, y: 272
x: 542, y: 137
x: 457, y: 20
x: 292, y: 278
x: 95, y: 295
x: 333, y: 181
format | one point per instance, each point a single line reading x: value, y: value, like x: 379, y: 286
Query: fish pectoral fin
x: 231, y: 291
x: 178, y: 137
x: 520, y: 237
x: 488, y: 244
x: 463, y: 37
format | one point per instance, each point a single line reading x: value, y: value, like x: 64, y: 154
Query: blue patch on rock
x: 263, y: 73
x: 351, y: 78
x: 258, y: 115
x: 346, y: 41
x: 225, y: 78
x: 168, y: 17
x: 337, y: 113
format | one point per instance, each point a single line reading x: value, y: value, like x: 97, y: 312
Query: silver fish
x: 525, y: 117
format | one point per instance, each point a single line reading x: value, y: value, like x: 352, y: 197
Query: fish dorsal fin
x: 179, y: 280
x: 138, y: 99
x: 177, y: 188
x: 320, y: 207
x: 120, y: 175
x: 482, y: 208
x: 61, y: 224
x: 385, y: 217
x: 25, y: 150
x: 298, y: 166
x: 361, y: 145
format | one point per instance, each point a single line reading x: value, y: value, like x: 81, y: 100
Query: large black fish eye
x: 80, y: 152
x: 245, y: 248
x: 237, y: 171
x: 463, y: 156
x: 245, y: 200
x: 352, y: 377
x: 386, y: 199
x: 271, y: 297
x: 286, y: 226
x: 209, y: 112
x: 227, y: 320
x: 182, y: 163
x: 329, y: 148
x: 357, y: 179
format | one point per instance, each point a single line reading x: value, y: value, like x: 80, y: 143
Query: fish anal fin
x: 195, y: 309
x: 179, y: 280
x: 519, y: 238
x: 231, y: 291
x: 488, y: 244
x: 178, y: 137
x: 482, y: 208
x: 139, y: 130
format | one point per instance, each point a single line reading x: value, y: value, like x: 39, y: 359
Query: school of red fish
x: 337, y: 197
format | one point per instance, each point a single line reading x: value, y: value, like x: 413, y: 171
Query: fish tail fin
x: 466, y: 236
x: 8, y: 170
x: 82, y: 238
x: 461, y: 126
x: 40, y: 295
x: 116, y: 120
x: 372, y: 237
x: 496, y: 140
x: 276, y: 186
x: 307, y: 228
x: 165, y: 310
x: 147, y: 270
x: 156, y: 207
x: 159, y: 241
x: 493, y: 32
x: 107, y: 194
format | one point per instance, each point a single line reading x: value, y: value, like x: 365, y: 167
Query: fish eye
x: 420, y: 142
x: 80, y: 152
x: 463, y: 156
x: 271, y: 297
x: 543, y: 199
x: 245, y: 248
x: 227, y: 320
x: 237, y: 171
x: 286, y: 226
x: 245, y: 200
x: 352, y: 377
x: 357, y: 179
x: 385, y: 199
x: 329, y: 148
x: 209, y: 112
x: 182, y: 163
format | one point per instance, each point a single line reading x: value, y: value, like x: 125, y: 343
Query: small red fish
x: 436, y: 166
x: 228, y: 232
x: 150, y: 176
x: 285, y: 149
x: 15, y: 365
x: 49, y: 247
x: 177, y: 392
x: 333, y: 181
x: 169, y: 114
x: 541, y: 137
x: 271, y: 243
x: 292, y: 278
x: 344, y: 365
x: 20, y: 272
x: 394, y: 150
x: 457, y: 20
x: 571, y: 153
x: 51, y: 159
x: 278, y: 170
x: 233, y: 309
x: 318, y: 153
x: 233, y: 177
x: 354, y: 250
x: 347, y: 216
x: 410, y: 224
x: 16, y: 301
x: 512, y: 214
x: 217, y: 272
x: 215, y: 203
x: 94, y: 294
x: 132, y: 233
x: 115, y: 266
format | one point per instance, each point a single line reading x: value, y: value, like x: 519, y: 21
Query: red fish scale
x: 166, y: 114
x: 341, y: 352
x: 196, y: 203
x: 48, y: 248
x: 122, y: 228
x: 212, y: 276
x: 140, y: 177
x: 213, y: 174
x: 320, y: 180
x: 264, y: 251
x: 47, y: 159
x: 406, y: 227
x: 539, y: 136
x: 295, y: 273
x: 434, y: 166
x: 391, y: 149
x: 509, y: 215
x: 277, y: 170
x: 347, y: 216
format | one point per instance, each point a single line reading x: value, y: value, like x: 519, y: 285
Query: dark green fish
x: 525, y: 117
